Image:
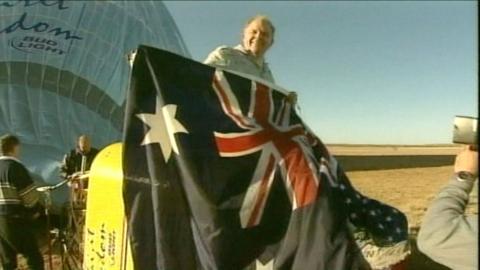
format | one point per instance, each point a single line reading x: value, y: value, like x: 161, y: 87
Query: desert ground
x: 410, y: 188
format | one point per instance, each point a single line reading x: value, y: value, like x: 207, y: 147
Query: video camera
x: 465, y: 130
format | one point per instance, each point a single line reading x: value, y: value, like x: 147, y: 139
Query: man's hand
x: 74, y: 179
x: 467, y: 161
x: 292, y: 98
x: 75, y: 176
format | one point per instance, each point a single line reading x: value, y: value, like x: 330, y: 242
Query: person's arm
x: 218, y: 57
x: 292, y: 97
x: 65, y: 169
x: 447, y: 235
x: 269, y: 74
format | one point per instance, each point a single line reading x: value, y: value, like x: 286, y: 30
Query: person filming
x: 448, y: 235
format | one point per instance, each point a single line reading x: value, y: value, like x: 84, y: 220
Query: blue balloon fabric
x: 64, y: 72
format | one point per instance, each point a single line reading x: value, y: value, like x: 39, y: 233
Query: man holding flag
x: 219, y: 167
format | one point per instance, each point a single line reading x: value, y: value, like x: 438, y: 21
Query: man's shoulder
x: 221, y: 53
x: 6, y: 163
x: 225, y: 50
x: 12, y: 165
x: 72, y: 152
x: 10, y: 162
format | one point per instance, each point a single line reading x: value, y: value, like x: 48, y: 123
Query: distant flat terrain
x: 369, y: 150
x: 368, y: 157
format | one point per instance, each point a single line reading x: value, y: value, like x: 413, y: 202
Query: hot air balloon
x: 64, y: 71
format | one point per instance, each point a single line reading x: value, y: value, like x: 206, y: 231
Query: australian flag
x: 220, y: 172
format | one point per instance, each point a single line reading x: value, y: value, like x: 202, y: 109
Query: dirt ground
x: 410, y: 190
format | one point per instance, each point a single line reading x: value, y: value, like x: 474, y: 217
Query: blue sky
x: 366, y: 72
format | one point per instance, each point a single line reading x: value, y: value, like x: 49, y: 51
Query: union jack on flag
x: 279, y: 142
x: 221, y: 170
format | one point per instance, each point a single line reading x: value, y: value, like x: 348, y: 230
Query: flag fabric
x: 220, y: 171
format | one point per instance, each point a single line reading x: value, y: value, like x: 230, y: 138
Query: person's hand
x: 467, y: 161
x: 292, y: 98
x: 76, y: 176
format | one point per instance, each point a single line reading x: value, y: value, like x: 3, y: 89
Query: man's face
x: 84, y: 144
x: 257, y: 37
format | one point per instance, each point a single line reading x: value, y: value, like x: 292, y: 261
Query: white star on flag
x: 163, y: 126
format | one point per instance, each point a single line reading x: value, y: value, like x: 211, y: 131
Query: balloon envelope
x: 64, y: 71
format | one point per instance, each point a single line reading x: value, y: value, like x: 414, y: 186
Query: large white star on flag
x: 163, y: 126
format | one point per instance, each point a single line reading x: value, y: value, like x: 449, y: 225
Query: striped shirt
x: 17, y: 189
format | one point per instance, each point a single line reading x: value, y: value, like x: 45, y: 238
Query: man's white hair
x: 263, y: 18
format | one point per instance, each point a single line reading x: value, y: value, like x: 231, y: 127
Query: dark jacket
x: 17, y: 189
x: 72, y: 162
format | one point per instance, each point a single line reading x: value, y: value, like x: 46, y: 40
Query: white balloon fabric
x: 64, y: 71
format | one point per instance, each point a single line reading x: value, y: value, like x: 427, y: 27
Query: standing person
x: 79, y: 159
x: 249, y: 56
x: 18, y: 194
x: 448, y: 235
